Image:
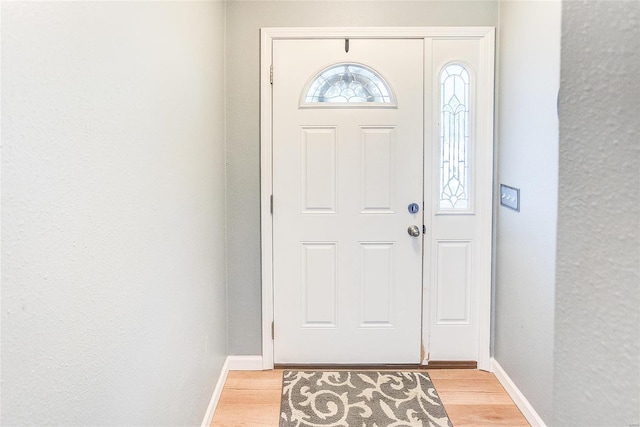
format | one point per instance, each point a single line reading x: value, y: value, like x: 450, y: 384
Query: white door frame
x: 484, y: 132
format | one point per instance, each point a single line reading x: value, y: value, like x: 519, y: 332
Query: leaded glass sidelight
x: 454, y: 138
x: 348, y: 83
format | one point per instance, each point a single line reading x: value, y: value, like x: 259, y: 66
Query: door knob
x: 413, y: 231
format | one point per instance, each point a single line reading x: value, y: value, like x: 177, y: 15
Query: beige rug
x: 360, y: 399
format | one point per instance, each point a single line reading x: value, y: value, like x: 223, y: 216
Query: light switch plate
x: 510, y: 197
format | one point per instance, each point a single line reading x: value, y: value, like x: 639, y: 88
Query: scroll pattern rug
x: 360, y: 399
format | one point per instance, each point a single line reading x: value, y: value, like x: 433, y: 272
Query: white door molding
x: 484, y: 129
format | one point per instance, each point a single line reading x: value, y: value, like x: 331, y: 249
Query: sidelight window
x: 454, y: 138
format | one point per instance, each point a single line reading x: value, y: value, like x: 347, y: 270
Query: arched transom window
x: 348, y: 83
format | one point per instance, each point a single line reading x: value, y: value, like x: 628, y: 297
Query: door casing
x: 484, y: 182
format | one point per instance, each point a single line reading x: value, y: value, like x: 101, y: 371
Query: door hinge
x: 271, y: 204
x: 271, y: 74
x: 273, y: 331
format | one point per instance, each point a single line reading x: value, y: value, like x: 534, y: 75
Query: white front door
x: 347, y: 274
x: 343, y: 280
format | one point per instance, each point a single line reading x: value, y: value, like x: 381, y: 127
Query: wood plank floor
x: 471, y: 398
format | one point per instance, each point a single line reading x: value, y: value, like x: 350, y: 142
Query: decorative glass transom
x: 454, y: 138
x: 348, y: 83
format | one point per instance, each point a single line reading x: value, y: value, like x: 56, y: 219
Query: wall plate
x: 510, y: 197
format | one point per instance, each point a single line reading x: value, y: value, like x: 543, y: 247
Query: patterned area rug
x: 360, y: 399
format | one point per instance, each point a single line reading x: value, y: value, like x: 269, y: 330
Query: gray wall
x: 597, y: 322
x: 113, y: 266
x: 527, y: 88
x: 244, y: 19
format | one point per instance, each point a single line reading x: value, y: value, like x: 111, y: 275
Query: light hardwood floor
x: 471, y: 398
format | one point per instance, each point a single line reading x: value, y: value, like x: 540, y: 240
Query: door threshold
x: 440, y: 364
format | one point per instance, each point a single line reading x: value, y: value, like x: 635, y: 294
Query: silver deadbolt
x: 413, y: 231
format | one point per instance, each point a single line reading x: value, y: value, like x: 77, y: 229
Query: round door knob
x: 413, y: 231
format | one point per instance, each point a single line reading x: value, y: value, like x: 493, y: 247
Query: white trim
x: 373, y: 32
x: 485, y: 130
x: 516, y: 395
x: 215, y: 397
x: 231, y: 363
x: 245, y: 363
x: 484, y: 205
x: 266, y: 189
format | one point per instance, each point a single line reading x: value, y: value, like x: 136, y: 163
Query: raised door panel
x: 377, y: 169
x: 318, y: 165
x: 319, y: 284
x: 377, y: 275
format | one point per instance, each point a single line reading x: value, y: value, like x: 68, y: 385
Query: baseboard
x: 245, y: 363
x: 231, y: 363
x: 217, y: 392
x: 516, y: 395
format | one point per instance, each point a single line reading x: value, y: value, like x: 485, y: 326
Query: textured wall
x: 244, y: 20
x: 113, y: 269
x: 597, y: 323
x: 529, y: 78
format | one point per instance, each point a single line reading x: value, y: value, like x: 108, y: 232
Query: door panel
x: 318, y: 164
x: 377, y: 169
x: 455, y: 222
x: 453, y: 286
x: 347, y: 275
